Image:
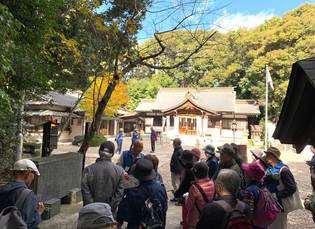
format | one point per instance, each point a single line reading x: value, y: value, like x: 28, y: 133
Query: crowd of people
x: 217, y: 190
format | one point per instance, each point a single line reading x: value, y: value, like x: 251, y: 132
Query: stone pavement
x: 300, y: 219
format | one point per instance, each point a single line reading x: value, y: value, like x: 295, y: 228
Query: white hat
x: 25, y: 164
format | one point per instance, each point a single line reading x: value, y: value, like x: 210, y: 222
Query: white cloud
x: 230, y: 22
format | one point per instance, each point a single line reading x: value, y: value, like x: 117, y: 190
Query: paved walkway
x: 297, y: 220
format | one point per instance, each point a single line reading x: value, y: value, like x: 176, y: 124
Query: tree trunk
x: 95, y: 125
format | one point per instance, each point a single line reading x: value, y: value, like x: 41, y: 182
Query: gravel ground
x: 300, y: 219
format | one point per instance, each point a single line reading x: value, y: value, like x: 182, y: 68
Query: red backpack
x: 235, y: 217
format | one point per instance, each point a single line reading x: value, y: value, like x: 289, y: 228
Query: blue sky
x: 226, y: 15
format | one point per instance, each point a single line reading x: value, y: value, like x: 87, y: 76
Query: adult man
x: 227, y: 160
x: 102, y: 181
x: 130, y: 157
x: 97, y: 216
x: 119, y: 140
x: 277, y: 173
x: 215, y: 214
x: 212, y: 160
x: 175, y: 166
x: 24, y: 172
x: 134, y: 202
x: 153, y: 137
x: 134, y: 137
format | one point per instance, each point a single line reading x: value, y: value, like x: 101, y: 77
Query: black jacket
x: 188, y: 179
x: 175, y: 165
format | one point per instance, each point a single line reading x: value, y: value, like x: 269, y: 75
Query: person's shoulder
x: 213, y: 207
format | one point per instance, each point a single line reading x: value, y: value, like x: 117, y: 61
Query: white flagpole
x: 266, y: 112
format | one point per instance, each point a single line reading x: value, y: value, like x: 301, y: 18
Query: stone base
x: 52, y: 208
x: 73, y: 197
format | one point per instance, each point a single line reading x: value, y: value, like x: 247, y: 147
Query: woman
x: 201, y: 192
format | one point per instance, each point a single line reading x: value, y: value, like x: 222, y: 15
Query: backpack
x: 152, y: 214
x: 267, y: 209
x: 10, y: 217
x: 234, y: 217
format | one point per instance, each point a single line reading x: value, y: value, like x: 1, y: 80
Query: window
x: 212, y: 123
x: 227, y: 123
x: 171, y: 121
x: 157, y: 121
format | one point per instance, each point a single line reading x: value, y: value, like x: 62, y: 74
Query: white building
x: 199, y: 115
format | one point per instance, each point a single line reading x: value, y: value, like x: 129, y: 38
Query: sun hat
x: 209, y: 149
x: 226, y: 149
x: 274, y: 152
x: 254, y: 170
x: 196, y: 152
x: 95, y: 216
x: 25, y: 164
x: 187, y: 157
x: 143, y: 170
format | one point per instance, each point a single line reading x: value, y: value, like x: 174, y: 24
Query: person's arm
x: 85, y: 187
x: 118, y: 195
x: 30, y: 212
x: 120, y: 161
x: 289, y: 184
x: 190, y: 204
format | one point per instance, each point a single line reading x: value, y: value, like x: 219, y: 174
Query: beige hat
x: 25, y: 164
x: 274, y: 152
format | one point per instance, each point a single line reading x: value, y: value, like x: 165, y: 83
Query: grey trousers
x: 175, y: 178
x: 281, y: 222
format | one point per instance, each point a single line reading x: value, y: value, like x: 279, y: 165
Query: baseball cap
x: 95, y: 215
x: 25, y: 164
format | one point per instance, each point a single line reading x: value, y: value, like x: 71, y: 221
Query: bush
x: 97, y: 140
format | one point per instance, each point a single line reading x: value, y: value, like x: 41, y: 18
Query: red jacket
x: 195, y: 199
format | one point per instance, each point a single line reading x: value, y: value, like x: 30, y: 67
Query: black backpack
x: 152, y: 213
x: 10, y: 217
x: 234, y: 217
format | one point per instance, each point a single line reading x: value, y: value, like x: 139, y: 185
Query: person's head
x: 143, y: 170
x: 253, y: 172
x: 187, y: 159
x: 96, y: 216
x: 137, y: 148
x: 106, y: 150
x: 154, y: 159
x: 197, y: 154
x: 121, y: 130
x: 313, y: 149
x: 273, y: 155
x: 200, y: 170
x: 152, y: 128
x: 235, y: 148
x: 209, y: 151
x: 177, y: 143
x: 25, y: 170
x: 227, y: 183
x: 226, y: 153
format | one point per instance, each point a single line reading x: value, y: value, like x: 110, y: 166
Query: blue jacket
x: 213, y: 165
x: 119, y: 138
x: 135, y: 136
x: 128, y: 160
x: 271, y: 181
x: 8, y: 197
x: 130, y: 207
